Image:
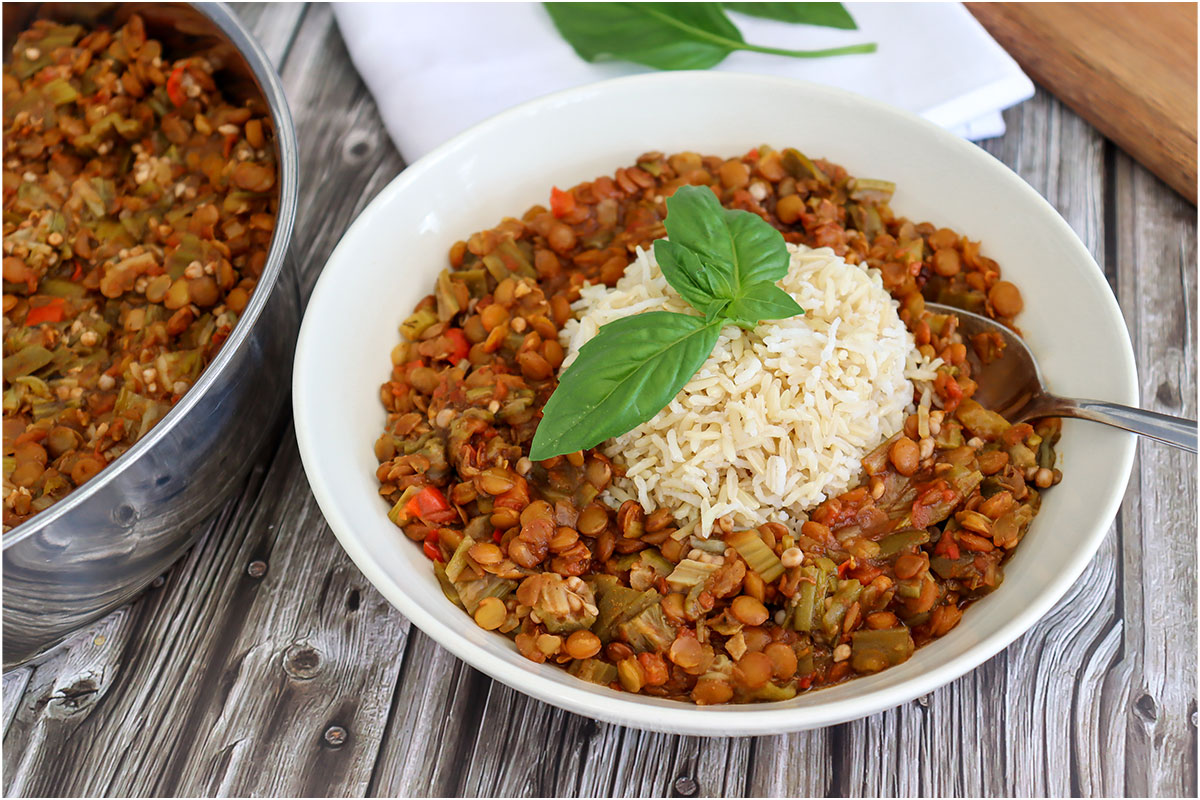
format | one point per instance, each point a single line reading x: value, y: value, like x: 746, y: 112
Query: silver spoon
x: 1013, y: 387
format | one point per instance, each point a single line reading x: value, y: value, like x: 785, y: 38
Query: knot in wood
x: 685, y: 786
x: 302, y: 662
x: 70, y: 700
x: 256, y: 569
x: 357, y: 146
x: 335, y: 736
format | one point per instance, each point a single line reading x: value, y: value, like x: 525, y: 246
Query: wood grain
x: 1127, y: 68
x: 265, y: 664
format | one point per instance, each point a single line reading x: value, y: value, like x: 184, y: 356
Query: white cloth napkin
x: 435, y: 69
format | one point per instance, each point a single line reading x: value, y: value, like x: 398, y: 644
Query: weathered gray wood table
x: 265, y: 663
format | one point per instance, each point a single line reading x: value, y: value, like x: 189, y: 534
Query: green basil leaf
x: 623, y: 376
x: 659, y: 35
x: 761, y: 301
x: 662, y: 35
x: 828, y: 15
x: 699, y: 284
x: 740, y: 247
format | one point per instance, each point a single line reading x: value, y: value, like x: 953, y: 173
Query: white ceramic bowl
x: 389, y: 258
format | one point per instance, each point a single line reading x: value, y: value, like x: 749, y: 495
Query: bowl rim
x: 738, y: 720
x: 289, y: 177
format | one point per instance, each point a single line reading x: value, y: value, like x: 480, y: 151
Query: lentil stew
x: 642, y: 602
x: 139, y: 206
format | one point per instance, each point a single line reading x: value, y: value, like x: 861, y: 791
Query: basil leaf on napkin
x: 662, y: 35
x: 828, y: 15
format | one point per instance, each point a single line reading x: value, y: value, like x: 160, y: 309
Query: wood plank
x: 435, y: 717
x: 1127, y: 68
x: 15, y: 682
x: 1157, y: 262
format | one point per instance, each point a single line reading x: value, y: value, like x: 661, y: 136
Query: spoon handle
x: 1175, y: 431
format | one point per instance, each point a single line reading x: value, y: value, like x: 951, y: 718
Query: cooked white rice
x: 777, y: 419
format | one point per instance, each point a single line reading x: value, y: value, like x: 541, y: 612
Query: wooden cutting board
x: 1127, y: 68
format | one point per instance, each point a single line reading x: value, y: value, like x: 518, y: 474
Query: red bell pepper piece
x: 460, y: 347
x: 430, y: 506
x: 52, y: 311
x: 175, y: 87
x: 561, y: 203
x: 432, y: 551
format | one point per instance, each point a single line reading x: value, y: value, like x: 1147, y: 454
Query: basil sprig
x: 725, y: 264
x: 684, y: 35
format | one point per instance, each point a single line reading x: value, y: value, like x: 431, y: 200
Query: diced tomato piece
x: 561, y: 203
x: 175, y: 87
x: 497, y: 536
x: 846, y: 566
x: 429, y: 505
x: 52, y: 311
x: 865, y: 573
x: 459, y: 344
x: 432, y: 551
x: 946, y: 546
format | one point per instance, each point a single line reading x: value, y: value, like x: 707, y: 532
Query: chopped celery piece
x: 397, y: 514
x: 56, y: 287
x: 594, y: 670
x: 656, y: 561
x: 28, y: 359
x: 866, y: 219
x: 649, y: 631
x: 987, y: 425
x: 447, y: 297
x: 872, y: 189
x: 36, y: 385
x: 949, y: 437
x: 771, y: 693
x: 688, y: 573
x: 946, y: 569
x: 616, y: 604
x: 893, y: 543
x: 447, y: 587
x: 514, y: 260
x: 417, y: 323
x: 650, y: 166
x: 1022, y: 457
x: 473, y: 592
x: 625, y: 563
x: 846, y: 595
x: 814, y: 586
x: 966, y: 299
x: 756, y: 554
x: 475, y: 280
x: 871, y: 651
x: 800, y: 166
x: 458, y: 561
x: 714, y: 546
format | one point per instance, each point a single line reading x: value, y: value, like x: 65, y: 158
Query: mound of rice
x: 777, y: 419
